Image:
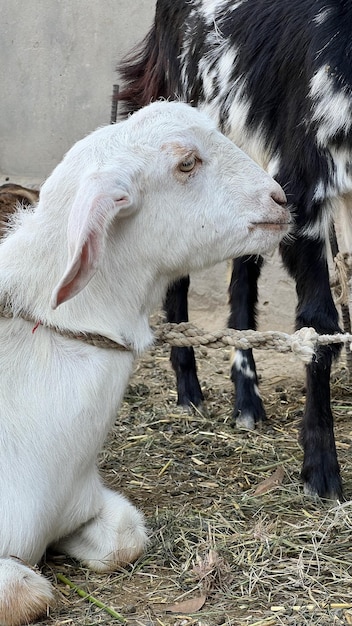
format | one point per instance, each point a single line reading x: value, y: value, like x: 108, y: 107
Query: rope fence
x: 304, y: 343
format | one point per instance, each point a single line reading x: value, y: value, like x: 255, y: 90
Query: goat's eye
x: 188, y: 164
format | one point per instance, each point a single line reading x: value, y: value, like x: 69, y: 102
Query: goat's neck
x: 116, y: 303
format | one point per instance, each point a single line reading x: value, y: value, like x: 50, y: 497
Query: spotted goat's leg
x: 243, y: 297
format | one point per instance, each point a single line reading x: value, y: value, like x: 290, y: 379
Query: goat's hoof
x: 183, y: 409
x: 322, y: 485
x: 192, y: 409
x: 326, y: 495
x: 25, y: 595
x: 245, y: 421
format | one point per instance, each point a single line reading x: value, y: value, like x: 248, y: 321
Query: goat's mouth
x: 274, y: 226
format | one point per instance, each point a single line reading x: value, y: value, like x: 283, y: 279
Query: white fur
x: 322, y: 16
x: 331, y: 109
x: 241, y: 364
x: 116, y: 221
x: 209, y: 9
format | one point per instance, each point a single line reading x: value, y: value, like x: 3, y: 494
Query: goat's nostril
x: 279, y: 197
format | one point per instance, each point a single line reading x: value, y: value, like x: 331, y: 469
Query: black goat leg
x: 183, y: 360
x: 243, y: 296
x: 306, y: 261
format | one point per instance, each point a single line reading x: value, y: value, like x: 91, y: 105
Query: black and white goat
x: 276, y: 77
x: 130, y: 208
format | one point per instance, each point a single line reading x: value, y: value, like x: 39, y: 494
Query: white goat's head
x: 168, y: 183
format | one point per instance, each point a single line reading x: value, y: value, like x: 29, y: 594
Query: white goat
x: 130, y: 208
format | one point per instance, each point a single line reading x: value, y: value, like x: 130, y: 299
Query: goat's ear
x: 99, y: 199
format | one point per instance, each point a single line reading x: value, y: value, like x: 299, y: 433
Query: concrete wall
x: 58, y: 60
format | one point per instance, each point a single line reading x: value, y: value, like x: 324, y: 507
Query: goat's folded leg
x: 25, y: 595
x: 116, y: 535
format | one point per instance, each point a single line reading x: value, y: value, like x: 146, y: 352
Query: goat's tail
x: 151, y: 70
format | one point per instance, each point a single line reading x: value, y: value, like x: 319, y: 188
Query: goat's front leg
x: 182, y: 359
x: 115, y: 536
x: 243, y: 296
x: 306, y: 262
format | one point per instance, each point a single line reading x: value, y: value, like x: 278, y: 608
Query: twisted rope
x: 303, y: 343
x: 93, y: 339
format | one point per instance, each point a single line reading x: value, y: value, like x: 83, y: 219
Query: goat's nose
x: 279, y: 196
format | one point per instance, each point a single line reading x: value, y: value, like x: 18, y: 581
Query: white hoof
x: 245, y: 421
x: 25, y: 595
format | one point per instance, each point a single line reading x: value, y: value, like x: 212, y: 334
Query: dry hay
x: 239, y: 558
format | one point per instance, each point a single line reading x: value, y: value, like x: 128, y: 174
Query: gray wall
x: 57, y: 64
